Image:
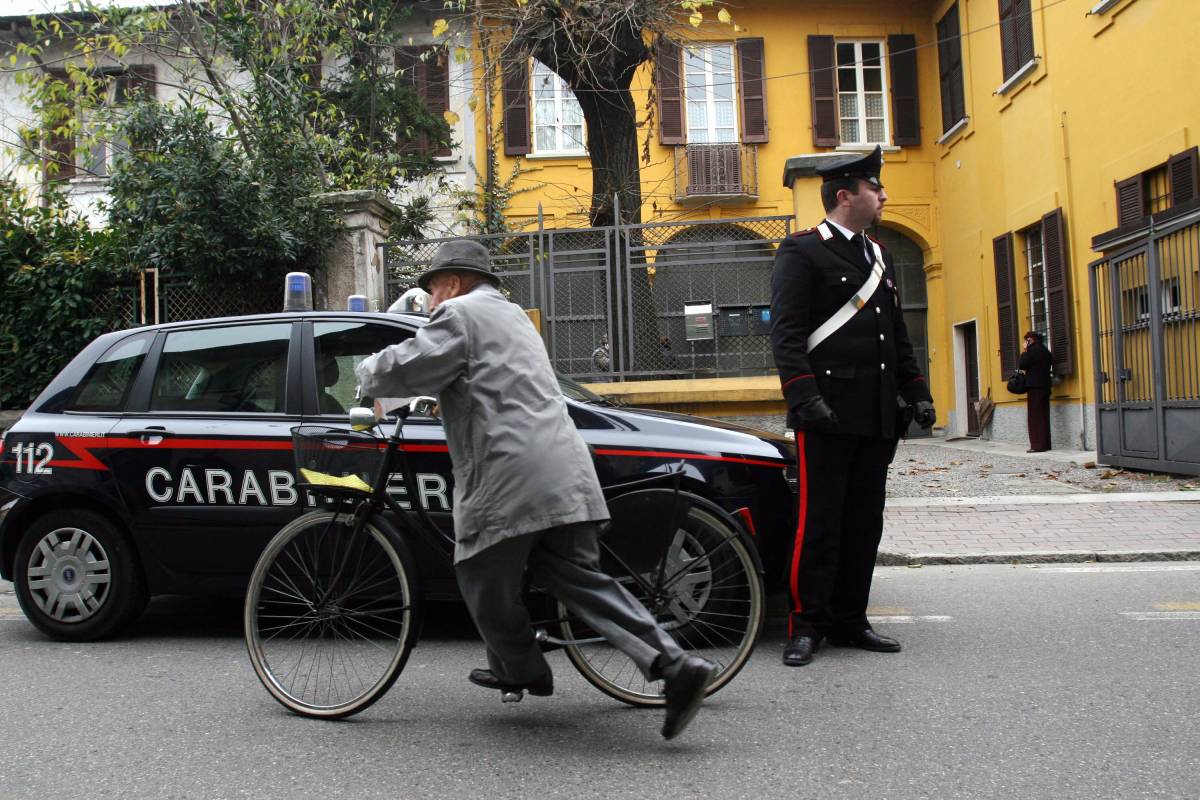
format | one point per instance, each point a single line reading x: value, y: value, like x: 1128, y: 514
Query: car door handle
x: 152, y: 435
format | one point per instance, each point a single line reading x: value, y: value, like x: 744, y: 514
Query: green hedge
x: 56, y: 278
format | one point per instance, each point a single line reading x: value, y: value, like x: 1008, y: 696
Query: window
x: 119, y: 89
x: 425, y: 70
x: 1160, y: 188
x: 235, y: 369
x: 340, y: 348
x: 709, y: 95
x: 1035, y: 275
x: 1048, y: 283
x: 861, y: 88
x: 1016, y: 36
x: 557, y: 117
x: 107, y: 384
x: 950, y: 69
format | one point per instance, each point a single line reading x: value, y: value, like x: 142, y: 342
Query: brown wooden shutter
x: 950, y: 69
x: 902, y: 55
x: 435, y: 90
x: 1006, y: 304
x: 429, y: 77
x: 59, y: 147
x: 517, y: 140
x: 142, y: 80
x: 1131, y: 200
x: 410, y: 71
x: 1008, y: 38
x: 1058, y: 291
x: 823, y: 82
x: 752, y: 90
x: 1024, y: 32
x: 667, y: 68
x: 1183, y: 172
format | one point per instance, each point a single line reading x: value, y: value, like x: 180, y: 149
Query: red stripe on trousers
x: 801, y: 518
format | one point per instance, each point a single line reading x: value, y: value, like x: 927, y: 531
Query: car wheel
x: 77, y: 577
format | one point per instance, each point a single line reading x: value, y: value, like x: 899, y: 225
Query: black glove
x: 924, y: 413
x: 814, y: 414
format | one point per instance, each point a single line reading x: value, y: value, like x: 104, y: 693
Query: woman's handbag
x: 1016, y: 383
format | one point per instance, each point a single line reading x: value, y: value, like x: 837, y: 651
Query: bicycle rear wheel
x: 331, y: 616
x: 702, y: 585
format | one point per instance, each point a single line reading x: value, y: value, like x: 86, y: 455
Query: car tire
x: 77, y: 576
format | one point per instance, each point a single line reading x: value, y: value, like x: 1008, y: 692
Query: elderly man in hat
x: 525, y: 489
x: 848, y: 374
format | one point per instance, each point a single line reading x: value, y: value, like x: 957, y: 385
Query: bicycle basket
x: 335, y: 457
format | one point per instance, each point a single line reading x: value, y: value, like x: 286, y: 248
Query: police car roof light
x: 297, y: 295
x: 356, y: 302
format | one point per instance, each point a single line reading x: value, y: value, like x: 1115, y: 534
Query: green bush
x: 187, y: 201
x: 55, y: 274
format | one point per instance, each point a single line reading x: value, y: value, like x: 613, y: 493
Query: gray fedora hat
x: 461, y: 255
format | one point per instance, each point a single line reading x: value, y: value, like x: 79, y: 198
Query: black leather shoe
x: 685, y: 693
x: 867, y: 639
x: 800, y: 650
x: 488, y: 680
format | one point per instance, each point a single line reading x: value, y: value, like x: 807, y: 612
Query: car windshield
x: 573, y: 391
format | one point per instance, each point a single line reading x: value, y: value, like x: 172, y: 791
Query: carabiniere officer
x: 845, y: 362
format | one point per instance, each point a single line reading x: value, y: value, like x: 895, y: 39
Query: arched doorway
x: 914, y: 299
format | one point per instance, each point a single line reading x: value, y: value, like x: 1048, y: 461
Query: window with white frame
x: 1035, y: 261
x: 709, y: 94
x: 557, y: 117
x: 862, y: 93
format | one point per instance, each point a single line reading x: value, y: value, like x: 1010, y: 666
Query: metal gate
x: 1146, y: 345
x: 612, y: 298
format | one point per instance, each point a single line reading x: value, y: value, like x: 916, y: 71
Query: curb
x: 886, y: 559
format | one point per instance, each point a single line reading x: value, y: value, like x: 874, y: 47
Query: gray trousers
x: 564, y: 561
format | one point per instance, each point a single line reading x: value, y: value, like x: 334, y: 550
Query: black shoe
x: 867, y: 639
x: 685, y: 693
x: 800, y: 650
x: 488, y: 680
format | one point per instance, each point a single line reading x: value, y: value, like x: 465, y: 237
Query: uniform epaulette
x: 876, y: 241
x: 805, y: 232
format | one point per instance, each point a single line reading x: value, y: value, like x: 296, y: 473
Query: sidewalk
x: 1037, y: 517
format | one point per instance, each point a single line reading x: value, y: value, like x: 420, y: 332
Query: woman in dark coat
x: 1037, y: 362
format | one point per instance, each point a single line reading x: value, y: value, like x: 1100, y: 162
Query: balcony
x: 706, y: 172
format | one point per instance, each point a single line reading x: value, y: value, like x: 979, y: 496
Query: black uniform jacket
x: 860, y: 369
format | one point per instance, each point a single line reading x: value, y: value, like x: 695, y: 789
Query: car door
x: 334, y: 347
x: 203, y: 454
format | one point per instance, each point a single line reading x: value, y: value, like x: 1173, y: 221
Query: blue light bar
x: 356, y: 302
x: 297, y: 294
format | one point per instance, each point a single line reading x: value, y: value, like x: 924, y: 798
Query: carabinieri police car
x: 160, y: 461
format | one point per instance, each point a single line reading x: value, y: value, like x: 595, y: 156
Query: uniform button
x: 827, y: 372
x: 843, y: 279
x: 882, y: 367
x: 881, y: 337
x: 877, y: 311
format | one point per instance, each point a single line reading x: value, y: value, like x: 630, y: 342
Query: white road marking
x: 1117, y: 568
x: 1160, y: 616
x: 908, y: 618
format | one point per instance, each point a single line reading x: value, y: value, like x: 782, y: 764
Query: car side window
x: 240, y: 368
x: 340, y: 347
x: 106, y: 386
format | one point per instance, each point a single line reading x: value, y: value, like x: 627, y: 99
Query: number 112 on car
x: 33, y: 458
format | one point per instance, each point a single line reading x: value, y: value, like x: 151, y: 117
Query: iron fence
x: 613, y: 298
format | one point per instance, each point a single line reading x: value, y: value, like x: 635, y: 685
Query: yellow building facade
x: 1004, y: 144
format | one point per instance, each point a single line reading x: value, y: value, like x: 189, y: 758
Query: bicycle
x: 334, y: 605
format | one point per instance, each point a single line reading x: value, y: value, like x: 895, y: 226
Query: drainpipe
x: 1077, y: 333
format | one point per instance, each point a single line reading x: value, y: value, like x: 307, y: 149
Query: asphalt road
x: 1052, y: 681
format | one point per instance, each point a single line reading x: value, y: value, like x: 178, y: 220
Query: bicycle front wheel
x: 702, y: 585
x: 331, y: 615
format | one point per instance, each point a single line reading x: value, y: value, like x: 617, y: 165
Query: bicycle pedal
x: 512, y: 697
